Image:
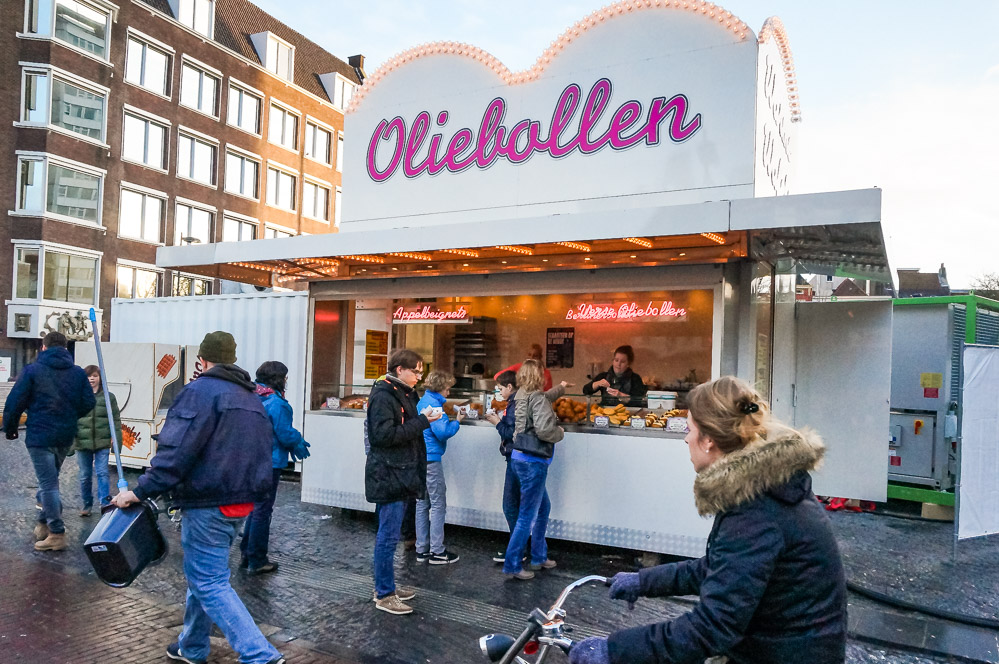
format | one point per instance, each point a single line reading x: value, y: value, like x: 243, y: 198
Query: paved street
x: 317, y: 607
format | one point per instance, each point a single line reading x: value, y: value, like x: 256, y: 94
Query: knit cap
x: 218, y: 347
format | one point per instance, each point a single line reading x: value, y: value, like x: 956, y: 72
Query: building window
x: 50, y: 187
x: 196, y: 159
x: 140, y: 215
x: 49, y: 99
x: 280, y: 58
x: 147, y: 66
x: 339, y: 153
x: 135, y: 283
x: 70, y: 278
x: 343, y: 90
x: 244, y: 110
x: 241, y: 175
x: 199, y: 90
x: 271, y: 233
x: 144, y: 141
x: 78, y: 24
x: 199, y: 15
x: 237, y: 230
x: 26, y: 278
x: 193, y: 224
x: 317, y: 142
x: 184, y: 286
x: 315, y: 201
x: 336, y: 208
x: 280, y: 188
x: 283, y: 128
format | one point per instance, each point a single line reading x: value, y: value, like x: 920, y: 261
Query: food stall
x: 482, y: 218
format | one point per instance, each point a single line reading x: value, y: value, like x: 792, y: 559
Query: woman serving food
x: 619, y: 384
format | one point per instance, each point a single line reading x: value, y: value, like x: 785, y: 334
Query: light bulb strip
x: 715, y: 237
x: 411, y: 254
x: 364, y: 258
x: 515, y: 248
x: 773, y: 28
x: 708, y: 10
x: 467, y: 253
x: 261, y: 266
x: 578, y: 246
x: 640, y: 241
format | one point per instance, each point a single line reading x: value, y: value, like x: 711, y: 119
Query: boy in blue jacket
x: 430, y: 511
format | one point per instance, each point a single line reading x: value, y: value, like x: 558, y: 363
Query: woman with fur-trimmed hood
x: 771, y: 585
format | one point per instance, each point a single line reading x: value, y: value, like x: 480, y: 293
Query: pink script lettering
x: 518, y: 143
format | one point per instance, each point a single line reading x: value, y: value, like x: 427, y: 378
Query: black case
x: 124, y: 542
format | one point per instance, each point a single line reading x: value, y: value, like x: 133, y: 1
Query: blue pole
x: 122, y: 482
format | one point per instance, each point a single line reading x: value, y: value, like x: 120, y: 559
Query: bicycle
x: 544, y: 633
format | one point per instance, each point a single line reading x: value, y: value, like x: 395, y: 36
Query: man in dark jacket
x: 214, y: 457
x: 55, y: 393
x: 396, y: 467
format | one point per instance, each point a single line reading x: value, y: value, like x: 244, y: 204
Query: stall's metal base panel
x: 626, y: 538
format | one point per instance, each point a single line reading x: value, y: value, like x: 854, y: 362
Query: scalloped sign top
x: 644, y: 102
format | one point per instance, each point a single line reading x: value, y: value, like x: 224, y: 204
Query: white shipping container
x: 266, y: 326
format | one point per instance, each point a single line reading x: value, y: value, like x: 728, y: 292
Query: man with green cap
x: 214, y: 456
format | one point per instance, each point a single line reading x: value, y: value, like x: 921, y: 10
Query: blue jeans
x: 206, y: 536
x: 389, y: 522
x: 511, y: 496
x: 257, y: 530
x: 48, y: 462
x: 430, y: 513
x: 532, y: 518
x: 89, y: 462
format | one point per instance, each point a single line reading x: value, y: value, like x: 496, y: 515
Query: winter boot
x: 41, y: 531
x: 54, y: 542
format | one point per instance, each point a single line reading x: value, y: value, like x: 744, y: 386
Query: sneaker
x: 278, y: 660
x: 422, y: 557
x: 499, y: 557
x: 41, y: 531
x: 85, y: 512
x: 548, y: 564
x: 173, y: 652
x: 392, y: 604
x: 38, y: 506
x: 522, y: 575
x: 445, y: 558
x: 404, y: 593
x: 54, y: 542
x: 266, y: 568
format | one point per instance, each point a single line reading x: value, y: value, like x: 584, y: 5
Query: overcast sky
x: 898, y: 95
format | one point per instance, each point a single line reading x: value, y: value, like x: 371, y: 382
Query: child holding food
x: 430, y: 511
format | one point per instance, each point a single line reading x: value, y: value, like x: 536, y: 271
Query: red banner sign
x: 625, y: 312
x: 429, y: 313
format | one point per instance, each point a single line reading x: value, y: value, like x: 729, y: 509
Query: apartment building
x: 146, y: 123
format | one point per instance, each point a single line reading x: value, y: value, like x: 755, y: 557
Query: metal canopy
x: 826, y: 233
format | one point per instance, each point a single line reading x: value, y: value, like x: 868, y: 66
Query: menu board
x: 375, y: 342
x: 375, y: 353
x: 560, y: 347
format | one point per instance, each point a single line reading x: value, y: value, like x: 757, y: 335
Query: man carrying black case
x: 214, y: 456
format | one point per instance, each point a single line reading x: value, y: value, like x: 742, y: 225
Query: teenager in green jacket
x: 93, y: 444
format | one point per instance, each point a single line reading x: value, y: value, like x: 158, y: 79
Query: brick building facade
x: 146, y: 123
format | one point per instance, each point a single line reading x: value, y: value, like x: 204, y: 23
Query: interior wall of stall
x: 667, y: 349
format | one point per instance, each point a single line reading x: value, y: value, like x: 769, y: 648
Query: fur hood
x: 766, y: 465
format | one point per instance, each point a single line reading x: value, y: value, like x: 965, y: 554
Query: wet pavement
x: 317, y: 607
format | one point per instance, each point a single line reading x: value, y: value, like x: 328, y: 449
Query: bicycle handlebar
x: 572, y: 586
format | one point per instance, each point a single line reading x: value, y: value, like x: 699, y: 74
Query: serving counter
x: 621, y: 487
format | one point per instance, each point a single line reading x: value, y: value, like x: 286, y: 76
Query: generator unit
x: 928, y: 336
